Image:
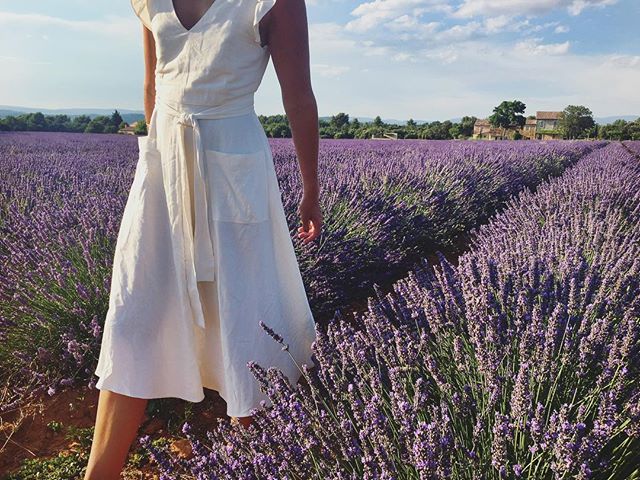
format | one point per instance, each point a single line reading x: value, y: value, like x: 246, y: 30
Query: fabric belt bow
x: 198, y: 244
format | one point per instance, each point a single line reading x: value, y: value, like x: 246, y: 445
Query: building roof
x: 548, y: 115
x: 482, y: 122
x: 531, y: 121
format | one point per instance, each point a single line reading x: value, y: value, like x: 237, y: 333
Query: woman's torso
x: 218, y: 61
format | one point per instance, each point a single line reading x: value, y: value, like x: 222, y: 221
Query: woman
x: 204, y: 252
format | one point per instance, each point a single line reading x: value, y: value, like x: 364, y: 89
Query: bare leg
x: 117, y: 422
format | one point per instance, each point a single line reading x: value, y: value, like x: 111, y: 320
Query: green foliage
x: 340, y: 120
x: 508, y: 114
x: 54, y: 426
x: 116, y: 119
x: 140, y: 128
x: 620, y: 130
x: 38, y: 122
x: 576, y: 122
x: 64, y: 466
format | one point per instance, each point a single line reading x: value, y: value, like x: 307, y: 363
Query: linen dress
x: 204, y: 251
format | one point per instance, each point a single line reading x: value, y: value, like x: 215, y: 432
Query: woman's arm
x: 286, y: 34
x: 149, y: 47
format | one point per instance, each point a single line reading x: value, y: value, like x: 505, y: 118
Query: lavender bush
x: 633, y: 146
x: 62, y: 197
x: 386, y: 204
x: 520, y: 362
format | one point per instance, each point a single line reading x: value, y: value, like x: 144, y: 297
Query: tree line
x: 576, y: 122
x: 63, y: 123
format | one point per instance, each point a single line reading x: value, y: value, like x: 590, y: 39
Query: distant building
x: 483, y: 130
x: 529, y: 129
x: 130, y: 129
x: 545, y: 126
x: 386, y: 136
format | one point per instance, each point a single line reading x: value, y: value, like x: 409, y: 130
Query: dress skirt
x: 151, y: 347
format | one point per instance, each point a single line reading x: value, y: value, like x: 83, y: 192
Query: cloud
x: 331, y: 71
x: 532, y: 46
x: 472, y: 8
x: 372, y: 14
x: 622, y: 61
x: 113, y: 26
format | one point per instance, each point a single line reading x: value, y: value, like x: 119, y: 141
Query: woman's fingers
x: 311, y: 232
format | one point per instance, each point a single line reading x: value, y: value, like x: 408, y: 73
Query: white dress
x: 204, y: 252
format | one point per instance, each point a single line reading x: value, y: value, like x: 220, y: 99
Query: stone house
x: 529, y: 129
x: 543, y: 127
x: 483, y: 130
x: 547, y: 125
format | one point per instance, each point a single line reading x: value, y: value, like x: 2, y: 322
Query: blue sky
x: 421, y: 59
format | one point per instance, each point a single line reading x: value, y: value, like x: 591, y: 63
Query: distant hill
x: 607, y: 120
x: 131, y: 116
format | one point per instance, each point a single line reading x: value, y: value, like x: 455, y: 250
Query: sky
x: 400, y: 59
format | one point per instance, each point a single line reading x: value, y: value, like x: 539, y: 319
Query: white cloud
x: 372, y: 14
x: 534, y: 47
x: 561, y: 29
x: 110, y: 25
x: 622, y: 61
x: 331, y: 71
x: 472, y: 8
x: 445, y: 55
x: 459, y: 32
x: 577, y: 6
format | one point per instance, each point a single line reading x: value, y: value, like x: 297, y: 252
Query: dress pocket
x: 237, y: 186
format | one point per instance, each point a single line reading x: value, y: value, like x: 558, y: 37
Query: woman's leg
x: 117, y: 422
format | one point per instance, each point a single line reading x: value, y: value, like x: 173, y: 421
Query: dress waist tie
x: 198, y: 245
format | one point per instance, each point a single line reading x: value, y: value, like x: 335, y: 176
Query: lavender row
x: 520, y: 362
x: 62, y: 197
x: 633, y: 146
x: 388, y: 203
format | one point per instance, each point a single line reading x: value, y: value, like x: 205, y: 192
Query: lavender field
x: 518, y: 360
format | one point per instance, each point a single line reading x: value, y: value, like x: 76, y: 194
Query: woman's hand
x: 311, y: 217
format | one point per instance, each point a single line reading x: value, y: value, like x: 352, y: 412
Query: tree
x: 116, y: 119
x: 37, y: 121
x: 411, y: 123
x: 80, y: 123
x: 100, y: 124
x: 576, y: 121
x: 140, y: 127
x: 378, y: 121
x: 339, y: 120
x: 466, y: 126
x: 508, y: 114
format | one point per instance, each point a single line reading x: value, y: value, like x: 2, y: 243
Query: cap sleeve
x: 142, y: 11
x: 262, y: 7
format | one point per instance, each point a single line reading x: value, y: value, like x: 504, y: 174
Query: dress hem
x: 103, y: 384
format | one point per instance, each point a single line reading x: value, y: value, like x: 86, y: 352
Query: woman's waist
x: 207, y: 104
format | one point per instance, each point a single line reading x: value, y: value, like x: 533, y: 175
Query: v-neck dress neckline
x: 202, y: 18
